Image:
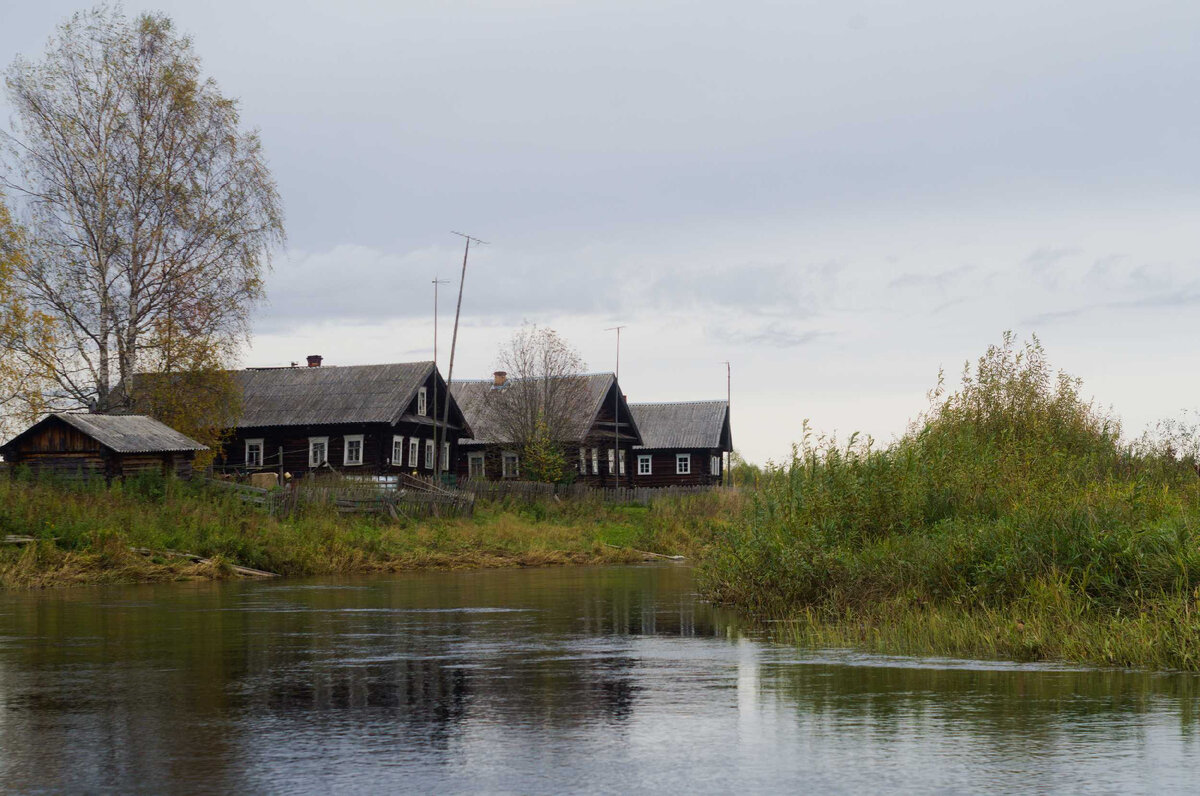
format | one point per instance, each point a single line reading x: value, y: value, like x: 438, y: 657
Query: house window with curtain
x: 414, y: 452
x: 475, y: 466
x: 254, y: 453
x: 428, y: 454
x: 397, y: 451
x: 353, y: 455
x: 510, y: 462
x: 318, y: 451
x: 422, y: 401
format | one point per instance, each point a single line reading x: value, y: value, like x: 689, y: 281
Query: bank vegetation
x: 1012, y: 520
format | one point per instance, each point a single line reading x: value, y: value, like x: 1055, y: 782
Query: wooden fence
x: 530, y: 492
x: 355, y: 497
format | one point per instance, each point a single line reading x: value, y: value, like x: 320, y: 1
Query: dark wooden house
x: 590, y: 452
x: 683, y: 444
x: 360, y: 420
x: 109, y: 446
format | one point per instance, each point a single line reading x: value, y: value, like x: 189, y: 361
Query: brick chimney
x: 499, y: 377
x: 314, y: 360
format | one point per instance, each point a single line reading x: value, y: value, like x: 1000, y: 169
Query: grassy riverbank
x: 1011, y: 521
x: 85, y: 534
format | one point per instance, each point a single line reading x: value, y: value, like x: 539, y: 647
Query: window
x: 397, y: 451
x: 583, y: 461
x: 475, y: 466
x: 428, y: 454
x: 318, y: 451
x: 445, y: 455
x: 595, y: 461
x: 612, y: 461
x: 353, y: 455
x: 644, y: 464
x: 714, y: 465
x: 422, y: 402
x: 621, y: 456
x: 683, y: 464
x: 254, y: 453
x: 510, y: 465
x: 414, y: 451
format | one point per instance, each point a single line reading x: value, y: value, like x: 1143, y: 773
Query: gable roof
x: 686, y: 424
x: 313, y: 396
x: 472, y: 397
x: 123, y: 433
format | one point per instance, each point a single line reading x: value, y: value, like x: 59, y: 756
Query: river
x: 536, y: 681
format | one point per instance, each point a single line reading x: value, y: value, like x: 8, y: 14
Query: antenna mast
x: 454, y: 337
x: 616, y: 459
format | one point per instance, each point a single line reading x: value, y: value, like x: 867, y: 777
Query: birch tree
x: 148, y: 205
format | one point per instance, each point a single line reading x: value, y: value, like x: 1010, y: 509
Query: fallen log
x: 245, y: 572
x: 645, y: 552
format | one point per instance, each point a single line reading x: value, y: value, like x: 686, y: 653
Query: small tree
x: 546, y: 399
x: 543, y: 458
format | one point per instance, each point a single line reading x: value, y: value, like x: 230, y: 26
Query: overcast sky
x: 838, y: 197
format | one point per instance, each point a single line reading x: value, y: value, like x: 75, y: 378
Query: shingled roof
x: 128, y: 433
x: 689, y: 424
x: 472, y: 397
x: 313, y: 396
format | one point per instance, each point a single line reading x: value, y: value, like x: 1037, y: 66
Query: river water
x: 536, y: 681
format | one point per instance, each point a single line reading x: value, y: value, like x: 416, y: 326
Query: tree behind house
x: 545, y: 402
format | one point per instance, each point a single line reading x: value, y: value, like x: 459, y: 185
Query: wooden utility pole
x: 727, y: 477
x: 454, y: 338
x: 616, y: 460
x: 437, y: 447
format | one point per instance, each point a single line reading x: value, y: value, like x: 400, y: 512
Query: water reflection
x: 533, y: 681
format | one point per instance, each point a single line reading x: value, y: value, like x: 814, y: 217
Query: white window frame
x: 397, y: 442
x: 479, y: 459
x: 583, y: 461
x: 714, y: 465
x: 423, y: 401
x: 414, y: 452
x: 595, y: 461
x: 683, y: 464
x: 346, y: 440
x: 505, y: 458
x: 445, y: 455
x: 645, y: 464
x: 621, y: 461
x: 428, y: 454
x: 612, y: 462
x: 262, y: 452
x: 312, y: 461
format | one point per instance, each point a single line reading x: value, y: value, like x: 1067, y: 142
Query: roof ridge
x: 339, y: 367
x: 681, y: 403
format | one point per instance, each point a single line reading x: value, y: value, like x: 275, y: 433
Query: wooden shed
x: 108, y: 446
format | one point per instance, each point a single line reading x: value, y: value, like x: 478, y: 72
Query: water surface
x: 536, y: 681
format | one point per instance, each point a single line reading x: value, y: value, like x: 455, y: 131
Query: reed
x: 1011, y: 503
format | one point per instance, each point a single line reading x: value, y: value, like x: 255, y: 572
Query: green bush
x: 1003, y: 486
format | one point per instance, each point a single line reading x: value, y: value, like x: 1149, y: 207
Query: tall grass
x: 85, y: 532
x: 1011, y: 497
